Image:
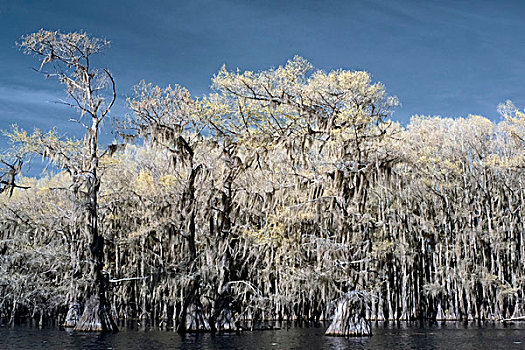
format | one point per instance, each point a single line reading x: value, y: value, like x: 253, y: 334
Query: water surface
x: 451, y: 336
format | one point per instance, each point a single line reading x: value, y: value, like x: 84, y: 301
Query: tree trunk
x: 97, y: 311
x: 96, y: 316
x: 226, y: 308
x: 349, y: 317
x: 192, y: 318
x: 73, y: 315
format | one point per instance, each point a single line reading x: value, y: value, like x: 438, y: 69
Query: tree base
x: 96, y: 317
x: 226, y: 322
x: 73, y: 315
x: 195, y: 320
x: 349, y: 318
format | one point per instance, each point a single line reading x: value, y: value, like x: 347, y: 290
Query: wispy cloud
x: 24, y: 95
x: 446, y: 57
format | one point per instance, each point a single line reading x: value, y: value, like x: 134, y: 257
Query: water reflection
x: 450, y: 336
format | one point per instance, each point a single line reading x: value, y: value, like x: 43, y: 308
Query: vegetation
x: 285, y: 194
x: 70, y: 57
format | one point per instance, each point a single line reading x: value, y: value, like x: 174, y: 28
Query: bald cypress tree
x: 91, y: 93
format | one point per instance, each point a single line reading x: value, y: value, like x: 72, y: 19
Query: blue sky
x: 448, y: 58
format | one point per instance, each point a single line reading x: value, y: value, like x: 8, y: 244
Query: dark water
x: 451, y: 336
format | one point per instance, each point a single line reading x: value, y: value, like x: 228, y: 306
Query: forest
x: 285, y: 194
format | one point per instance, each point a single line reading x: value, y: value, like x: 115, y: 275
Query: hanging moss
x: 279, y: 197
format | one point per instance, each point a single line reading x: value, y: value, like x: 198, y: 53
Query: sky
x: 447, y: 58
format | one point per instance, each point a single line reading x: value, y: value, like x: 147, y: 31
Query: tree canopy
x: 273, y: 197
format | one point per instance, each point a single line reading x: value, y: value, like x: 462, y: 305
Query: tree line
x: 276, y: 196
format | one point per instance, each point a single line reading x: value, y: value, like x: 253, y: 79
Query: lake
x: 452, y: 336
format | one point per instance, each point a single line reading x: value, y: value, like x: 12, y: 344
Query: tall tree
x: 91, y: 92
x: 168, y: 119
